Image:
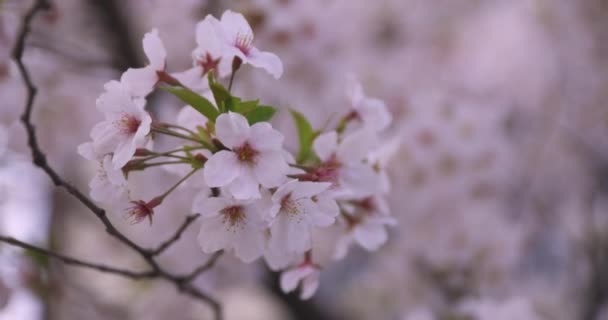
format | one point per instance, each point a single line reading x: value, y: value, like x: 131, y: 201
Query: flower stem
x: 175, y: 134
x: 164, y: 195
x: 174, y: 126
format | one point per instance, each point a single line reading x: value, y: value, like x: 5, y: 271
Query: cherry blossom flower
x: 237, y: 37
x: 306, y: 276
x: 366, y: 222
x: 230, y: 224
x: 109, y: 184
x: 139, y: 210
x: 371, y: 112
x: 254, y: 157
x: 343, y: 163
x: 126, y: 125
x: 141, y: 81
x: 297, y: 208
x: 207, y: 57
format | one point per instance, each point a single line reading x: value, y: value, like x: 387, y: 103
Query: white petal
x: 308, y: 189
x: 221, y: 169
x: 208, y: 206
x: 192, y: 79
x: 213, y: 235
x: 245, y: 186
x: 357, y: 146
x: 232, y: 129
x: 145, y: 121
x: 342, y: 246
x: 234, y: 24
x: 267, y: 61
x: 328, y: 206
x: 374, y: 114
x: 284, y: 190
x: 299, y: 236
x: 105, y: 137
x: 321, y: 219
x: 114, y: 176
x: 310, y: 285
x: 290, y: 279
x: 87, y: 151
x: 277, y: 260
x: 271, y: 169
x: 359, y: 180
x: 155, y: 50
x: 264, y: 138
x: 279, y: 234
x: 207, y: 37
x: 139, y: 82
x: 370, y: 236
x: 114, y: 99
x: 354, y: 90
x: 249, y: 244
x: 326, y: 145
x: 123, y: 153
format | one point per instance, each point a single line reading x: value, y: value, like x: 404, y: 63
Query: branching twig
x: 79, y: 263
x: 178, y: 234
x: 181, y: 283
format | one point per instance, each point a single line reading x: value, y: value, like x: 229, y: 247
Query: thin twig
x: 39, y: 159
x: 178, y: 234
x: 79, y: 263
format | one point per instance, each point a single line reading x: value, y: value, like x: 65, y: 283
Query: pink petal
x: 267, y: 61
x: 357, y: 146
x: 232, y: 129
x: 326, y: 145
x: 270, y: 169
x: 155, y: 50
x: 264, y: 138
x: 221, y: 169
x: 245, y: 186
x: 139, y: 82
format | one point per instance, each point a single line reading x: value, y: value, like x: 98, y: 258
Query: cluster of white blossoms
x: 255, y: 199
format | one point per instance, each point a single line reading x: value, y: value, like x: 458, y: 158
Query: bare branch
x: 79, y: 263
x: 181, y: 283
x: 178, y: 234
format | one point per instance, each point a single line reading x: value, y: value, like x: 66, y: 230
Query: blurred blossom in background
x: 497, y: 154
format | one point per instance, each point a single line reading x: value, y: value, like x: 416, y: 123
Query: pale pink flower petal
x: 264, y: 137
x: 232, y: 129
x: 221, y: 169
x: 267, y: 61
x: 325, y: 145
x: 155, y: 50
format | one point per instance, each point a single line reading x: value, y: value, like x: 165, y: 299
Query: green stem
x: 178, y: 183
x: 155, y: 164
x: 175, y: 134
x: 174, y: 126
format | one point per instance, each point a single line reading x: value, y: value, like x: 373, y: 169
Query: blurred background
x: 499, y: 180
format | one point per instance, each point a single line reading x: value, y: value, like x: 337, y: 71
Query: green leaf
x: 245, y: 107
x: 261, y: 113
x: 198, y: 102
x: 306, y: 135
x: 221, y: 95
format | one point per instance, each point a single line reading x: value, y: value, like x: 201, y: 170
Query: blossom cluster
x: 255, y: 198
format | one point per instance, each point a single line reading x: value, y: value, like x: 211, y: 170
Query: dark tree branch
x: 178, y: 234
x: 39, y: 159
x: 79, y: 263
